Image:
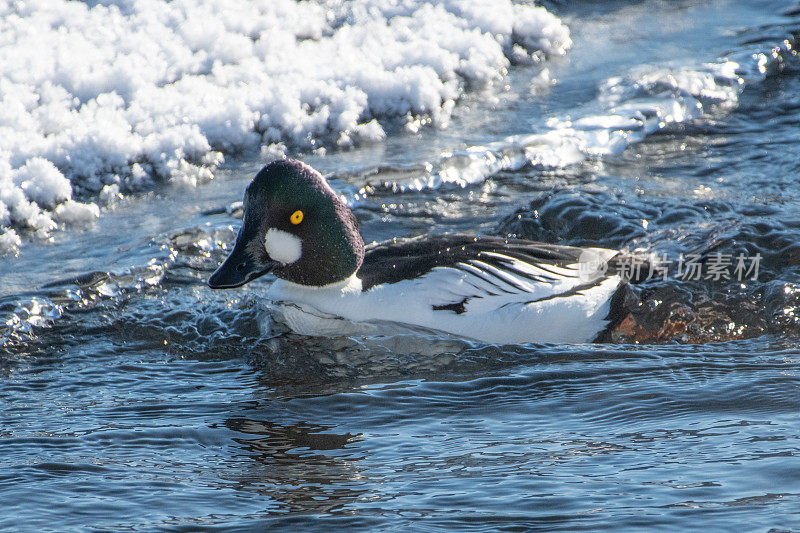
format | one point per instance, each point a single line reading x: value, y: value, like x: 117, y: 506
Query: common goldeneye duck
x: 488, y: 289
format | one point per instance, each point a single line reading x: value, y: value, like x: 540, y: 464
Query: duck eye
x: 296, y: 218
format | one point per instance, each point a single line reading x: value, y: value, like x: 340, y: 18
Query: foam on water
x: 96, y: 100
x: 647, y: 100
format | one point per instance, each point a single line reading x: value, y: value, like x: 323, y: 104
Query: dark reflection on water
x: 642, y: 437
x: 287, y: 470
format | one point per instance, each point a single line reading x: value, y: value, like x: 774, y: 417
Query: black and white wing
x: 458, y: 272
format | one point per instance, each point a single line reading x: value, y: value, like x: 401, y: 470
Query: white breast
x: 514, y: 303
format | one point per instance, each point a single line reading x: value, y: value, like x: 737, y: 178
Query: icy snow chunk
x: 372, y: 131
x: 110, y: 194
x: 537, y: 29
x: 72, y: 212
x: 20, y: 211
x: 43, y: 183
x: 9, y: 242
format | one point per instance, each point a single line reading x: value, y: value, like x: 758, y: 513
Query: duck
x: 480, y: 288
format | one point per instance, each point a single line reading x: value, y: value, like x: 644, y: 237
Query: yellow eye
x: 297, y: 217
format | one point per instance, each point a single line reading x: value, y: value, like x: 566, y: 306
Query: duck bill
x: 239, y: 269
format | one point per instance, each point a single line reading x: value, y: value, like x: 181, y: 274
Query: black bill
x: 238, y: 269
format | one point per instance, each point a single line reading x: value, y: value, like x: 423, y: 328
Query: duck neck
x: 352, y: 284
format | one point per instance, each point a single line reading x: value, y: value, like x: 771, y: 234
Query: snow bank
x: 126, y: 92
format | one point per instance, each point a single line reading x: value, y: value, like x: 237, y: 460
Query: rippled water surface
x: 133, y: 397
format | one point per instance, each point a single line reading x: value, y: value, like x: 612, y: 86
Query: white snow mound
x: 125, y: 92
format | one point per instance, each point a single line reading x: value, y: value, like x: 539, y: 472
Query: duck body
x: 488, y: 289
x: 482, y: 288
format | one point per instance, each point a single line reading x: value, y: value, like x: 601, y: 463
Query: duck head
x: 295, y: 226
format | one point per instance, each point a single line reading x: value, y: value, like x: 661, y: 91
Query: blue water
x: 132, y: 397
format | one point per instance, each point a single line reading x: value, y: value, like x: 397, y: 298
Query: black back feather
x: 402, y: 259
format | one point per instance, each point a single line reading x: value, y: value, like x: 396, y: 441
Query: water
x: 135, y: 398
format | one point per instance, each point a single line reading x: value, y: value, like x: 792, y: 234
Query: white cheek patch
x: 282, y: 247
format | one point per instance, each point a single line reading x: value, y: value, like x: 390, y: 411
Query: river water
x: 133, y: 397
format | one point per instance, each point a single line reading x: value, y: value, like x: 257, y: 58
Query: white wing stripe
x: 517, y: 283
x: 543, y: 271
x: 480, y: 274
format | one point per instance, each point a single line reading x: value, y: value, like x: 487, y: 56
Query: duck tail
x: 619, y: 309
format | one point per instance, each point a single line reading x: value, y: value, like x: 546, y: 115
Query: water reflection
x: 287, y: 465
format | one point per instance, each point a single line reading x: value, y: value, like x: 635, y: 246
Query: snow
x: 9, y: 240
x: 99, y: 100
x: 71, y: 212
x: 41, y: 182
